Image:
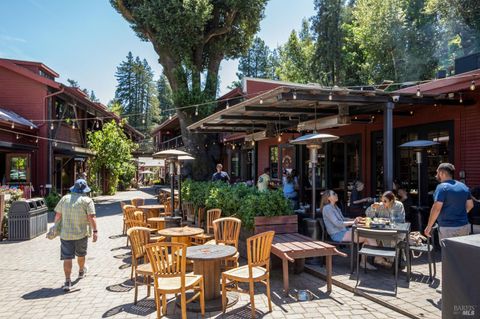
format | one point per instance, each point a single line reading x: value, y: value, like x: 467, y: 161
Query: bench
x: 289, y: 245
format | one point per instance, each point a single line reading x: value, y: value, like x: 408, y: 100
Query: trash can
x: 27, y: 219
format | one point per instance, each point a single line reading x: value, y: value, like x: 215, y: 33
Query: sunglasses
x: 385, y: 201
x: 333, y: 194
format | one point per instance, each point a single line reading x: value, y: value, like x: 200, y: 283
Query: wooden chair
x: 188, y: 212
x: 122, y: 205
x: 138, y: 202
x: 257, y: 269
x: 226, y: 232
x: 128, y: 215
x: 139, y: 237
x: 169, y: 274
x: 167, y: 208
x: 201, y: 216
x: 212, y: 214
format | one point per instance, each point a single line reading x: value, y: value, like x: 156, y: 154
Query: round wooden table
x: 151, y: 210
x: 181, y: 234
x: 157, y: 222
x: 206, y: 262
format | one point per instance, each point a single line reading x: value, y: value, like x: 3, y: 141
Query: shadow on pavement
x: 143, y: 307
x: 125, y: 286
x: 47, y: 293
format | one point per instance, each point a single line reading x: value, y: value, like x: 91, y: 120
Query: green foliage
x: 113, y: 153
x: 52, y: 200
x: 13, y: 194
x: 257, y: 62
x: 165, y: 98
x: 236, y: 200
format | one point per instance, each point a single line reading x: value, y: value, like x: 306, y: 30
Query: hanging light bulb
x: 18, y: 137
x: 253, y: 142
x: 233, y: 146
x: 55, y: 144
x: 228, y: 105
x: 96, y: 124
x: 51, y: 127
x: 196, y: 111
x: 31, y: 127
x: 294, y: 95
x: 73, y: 147
x: 461, y: 98
x: 73, y: 125
x: 36, y: 140
x: 472, y: 86
x: 143, y: 121
x: 170, y: 117
x: 279, y: 138
x: 261, y: 101
x: 13, y: 125
x: 411, y: 112
x: 419, y: 94
x: 330, y: 96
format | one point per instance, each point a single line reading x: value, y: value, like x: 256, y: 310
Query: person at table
x: 289, y: 188
x: 220, y: 175
x: 337, y: 224
x: 357, y: 202
x: 389, y: 208
x: 406, y: 200
x: 452, y: 202
x: 264, y: 180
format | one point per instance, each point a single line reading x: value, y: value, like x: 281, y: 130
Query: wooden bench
x: 289, y: 245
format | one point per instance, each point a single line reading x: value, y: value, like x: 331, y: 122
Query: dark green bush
x: 52, y: 200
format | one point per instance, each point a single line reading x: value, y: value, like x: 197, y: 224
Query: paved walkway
x: 31, y: 276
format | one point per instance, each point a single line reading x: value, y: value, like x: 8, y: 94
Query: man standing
x: 220, y: 175
x: 452, y: 203
x: 75, y: 211
x: 264, y: 180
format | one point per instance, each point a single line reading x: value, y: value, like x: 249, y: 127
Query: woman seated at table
x: 389, y: 208
x: 337, y: 225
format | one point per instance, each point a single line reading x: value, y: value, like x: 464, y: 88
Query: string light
x: 472, y: 86
x: 411, y: 112
x: 419, y: 93
x: 461, y: 98
x: 73, y: 125
x: 170, y: 117
x: 279, y: 139
x: 143, y: 120
x: 294, y: 94
x: 253, y: 142
x: 13, y: 125
x: 96, y: 124
x: 196, y: 111
x: 36, y: 140
x: 18, y: 137
x: 51, y: 127
x: 330, y: 96
x: 233, y: 146
x: 31, y: 127
x: 261, y: 101
x: 55, y: 144
x: 228, y: 105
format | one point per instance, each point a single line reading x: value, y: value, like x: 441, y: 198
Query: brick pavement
x: 31, y: 276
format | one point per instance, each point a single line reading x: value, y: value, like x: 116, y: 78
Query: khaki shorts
x: 71, y: 248
x: 448, y: 232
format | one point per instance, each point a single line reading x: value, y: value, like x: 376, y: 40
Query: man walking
x: 264, y: 180
x: 452, y: 203
x: 75, y: 211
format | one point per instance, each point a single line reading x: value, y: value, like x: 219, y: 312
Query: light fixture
x: 51, y: 127
x: 294, y: 94
x: 13, y: 125
x: 279, y: 138
x: 18, y: 137
x: 97, y: 125
x: 330, y: 96
x: 143, y: 121
x: 73, y: 125
x: 55, y: 144
x: 461, y: 98
x: 196, y: 111
x: 227, y: 106
x: 472, y: 86
x: 170, y: 117
x: 233, y: 146
x: 31, y: 127
x: 411, y: 112
x: 253, y: 142
x: 261, y: 101
x: 419, y: 93
x: 36, y: 140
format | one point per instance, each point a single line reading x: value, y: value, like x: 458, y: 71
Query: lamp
x: 313, y: 142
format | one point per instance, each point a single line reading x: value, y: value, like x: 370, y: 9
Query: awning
x: 10, y: 116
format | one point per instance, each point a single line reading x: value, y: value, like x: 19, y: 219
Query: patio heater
x: 313, y: 142
x: 418, y: 146
x: 172, y: 156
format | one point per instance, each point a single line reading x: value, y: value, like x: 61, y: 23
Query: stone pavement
x: 31, y: 276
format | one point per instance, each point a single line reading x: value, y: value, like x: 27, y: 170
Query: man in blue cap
x: 76, y: 211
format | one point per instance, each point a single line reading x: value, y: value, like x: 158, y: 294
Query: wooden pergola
x: 304, y: 108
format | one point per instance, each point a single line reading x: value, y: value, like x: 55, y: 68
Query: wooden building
x: 56, y: 152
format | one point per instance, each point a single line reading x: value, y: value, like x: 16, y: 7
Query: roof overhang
x: 295, y: 107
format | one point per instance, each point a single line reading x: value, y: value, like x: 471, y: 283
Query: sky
x: 86, y: 40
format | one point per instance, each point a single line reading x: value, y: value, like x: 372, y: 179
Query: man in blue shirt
x: 220, y: 175
x: 452, y: 203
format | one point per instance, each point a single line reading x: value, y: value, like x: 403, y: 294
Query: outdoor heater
x: 172, y: 156
x: 418, y: 146
x: 313, y: 142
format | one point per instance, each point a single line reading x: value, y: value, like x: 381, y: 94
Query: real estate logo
x: 464, y: 310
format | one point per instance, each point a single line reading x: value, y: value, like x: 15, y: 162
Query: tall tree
x: 327, y: 25
x: 165, y: 98
x: 295, y: 57
x: 191, y: 39
x: 256, y: 62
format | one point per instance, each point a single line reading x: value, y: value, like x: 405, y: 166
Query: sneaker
x: 67, y: 286
x: 83, y: 273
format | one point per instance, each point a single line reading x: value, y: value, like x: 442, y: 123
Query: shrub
x: 52, y: 200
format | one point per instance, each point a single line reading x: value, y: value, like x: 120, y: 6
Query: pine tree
x: 165, y: 99
x: 255, y: 63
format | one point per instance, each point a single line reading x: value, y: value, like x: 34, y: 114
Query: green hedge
x: 237, y: 200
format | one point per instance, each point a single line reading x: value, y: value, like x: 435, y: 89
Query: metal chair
x: 374, y: 251
x: 427, y: 248
x: 327, y: 239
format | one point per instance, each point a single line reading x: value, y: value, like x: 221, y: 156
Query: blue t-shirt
x: 454, y: 196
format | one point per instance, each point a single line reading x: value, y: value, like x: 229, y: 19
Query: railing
x: 174, y: 143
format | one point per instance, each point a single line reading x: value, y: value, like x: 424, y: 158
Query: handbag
x: 54, y: 231
x: 416, y: 239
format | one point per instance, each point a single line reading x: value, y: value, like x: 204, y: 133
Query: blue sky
x: 86, y: 40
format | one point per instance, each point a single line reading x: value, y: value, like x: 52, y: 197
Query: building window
x: 235, y: 165
x: 273, y: 161
x: 18, y: 168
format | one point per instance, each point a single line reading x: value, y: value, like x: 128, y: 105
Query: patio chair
x: 122, y: 205
x: 212, y: 214
x: 188, y: 213
x: 128, y: 215
x: 327, y: 239
x: 373, y: 251
x: 138, y: 202
x: 257, y: 269
x: 428, y: 248
x: 226, y: 231
x: 139, y: 237
x: 169, y: 273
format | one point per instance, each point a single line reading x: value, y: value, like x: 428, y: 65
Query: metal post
x: 172, y: 187
x: 388, y: 146
x: 179, y: 174
x: 313, y: 163
x: 419, y: 163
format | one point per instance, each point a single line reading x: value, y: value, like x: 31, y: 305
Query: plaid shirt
x: 74, y: 209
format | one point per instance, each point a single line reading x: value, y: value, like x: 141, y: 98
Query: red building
x: 54, y: 148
